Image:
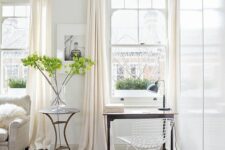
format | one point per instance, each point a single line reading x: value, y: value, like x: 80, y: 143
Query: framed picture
x: 72, y: 46
x: 70, y: 41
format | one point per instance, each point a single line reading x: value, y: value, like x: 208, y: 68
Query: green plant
x: 132, y: 84
x: 50, y: 65
x: 17, y: 83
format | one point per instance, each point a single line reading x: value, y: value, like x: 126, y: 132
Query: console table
x: 138, y: 114
x: 49, y: 112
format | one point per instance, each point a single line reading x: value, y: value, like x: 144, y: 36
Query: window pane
x: 131, y: 3
x: 124, y: 27
x: 145, y: 3
x: 152, y: 27
x: 20, y: 11
x: 191, y: 33
x: 12, y: 67
x: 117, y: 3
x: 159, y: 4
x: 15, y: 33
x: 137, y: 63
x: 214, y: 4
x: 191, y: 4
x: 7, y: 11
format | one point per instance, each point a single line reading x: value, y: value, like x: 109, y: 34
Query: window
x: 15, y: 21
x: 138, y: 44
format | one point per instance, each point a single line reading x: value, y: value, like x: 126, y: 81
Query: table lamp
x: 155, y: 88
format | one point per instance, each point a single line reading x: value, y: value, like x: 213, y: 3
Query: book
x: 114, y: 108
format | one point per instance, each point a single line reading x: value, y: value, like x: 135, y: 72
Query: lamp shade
x: 153, y: 88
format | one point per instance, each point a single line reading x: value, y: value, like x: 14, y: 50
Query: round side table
x: 49, y: 112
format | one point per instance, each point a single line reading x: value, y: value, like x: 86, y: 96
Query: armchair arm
x: 19, y: 134
x: 17, y: 123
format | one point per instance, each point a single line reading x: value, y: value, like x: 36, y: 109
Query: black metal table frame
x: 111, y: 117
x: 54, y: 123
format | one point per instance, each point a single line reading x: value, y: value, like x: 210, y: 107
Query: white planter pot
x: 133, y: 93
x: 17, y: 91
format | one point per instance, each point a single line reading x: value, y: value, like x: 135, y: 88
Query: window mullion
x: 1, y: 69
x: 14, y: 10
x: 156, y: 9
x: 139, y: 45
x: 138, y: 23
x: 7, y: 17
x: 12, y: 49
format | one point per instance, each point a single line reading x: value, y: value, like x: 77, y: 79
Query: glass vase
x: 58, y: 104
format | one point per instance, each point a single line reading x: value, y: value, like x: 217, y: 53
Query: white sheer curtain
x: 173, y: 63
x: 174, y: 76
x: 38, y: 89
x: 173, y: 57
x: 93, y: 133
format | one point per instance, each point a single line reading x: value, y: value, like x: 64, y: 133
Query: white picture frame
x: 67, y: 36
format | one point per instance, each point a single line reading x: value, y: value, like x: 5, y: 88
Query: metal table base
x: 54, y: 123
x: 60, y: 111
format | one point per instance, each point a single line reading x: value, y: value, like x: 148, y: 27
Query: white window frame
x: 17, y: 3
x: 132, y: 101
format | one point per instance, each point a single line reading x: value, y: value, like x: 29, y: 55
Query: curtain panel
x: 38, y: 89
x: 93, y: 133
x: 172, y: 79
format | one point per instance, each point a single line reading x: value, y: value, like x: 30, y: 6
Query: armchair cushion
x: 10, y: 112
x: 3, y: 135
x: 22, y: 101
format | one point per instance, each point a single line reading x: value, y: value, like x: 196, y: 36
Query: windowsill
x: 133, y: 94
x: 141, y: 106
x: 136, y: 99
x: 138, y: 105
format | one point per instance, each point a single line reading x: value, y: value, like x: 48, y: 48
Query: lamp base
x: 164, y: 109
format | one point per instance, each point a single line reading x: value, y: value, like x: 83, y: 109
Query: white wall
x: 71, y: 12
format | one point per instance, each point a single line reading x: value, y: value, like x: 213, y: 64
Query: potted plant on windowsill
x: 17, y: 86
x: 48, y: 67
x: 132, y: 87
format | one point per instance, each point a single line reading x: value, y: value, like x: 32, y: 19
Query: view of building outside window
x: 138, y: 43
x: 14, y: 43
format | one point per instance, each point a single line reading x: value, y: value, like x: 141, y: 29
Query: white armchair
x: 17, y: 135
